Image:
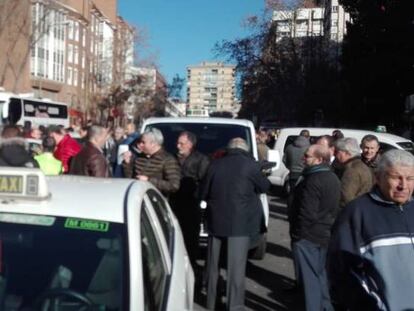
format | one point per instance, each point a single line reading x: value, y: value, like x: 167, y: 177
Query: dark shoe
x: 292, y: 289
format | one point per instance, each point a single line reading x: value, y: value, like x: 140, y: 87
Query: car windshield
x: 72, y: 264
x: 211, y: 138
x: 407, y: 146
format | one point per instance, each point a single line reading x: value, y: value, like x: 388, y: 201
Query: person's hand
x: 142, y: 177
x: 126, y: 156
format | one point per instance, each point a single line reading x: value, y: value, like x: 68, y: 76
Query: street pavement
x: 268, y: 279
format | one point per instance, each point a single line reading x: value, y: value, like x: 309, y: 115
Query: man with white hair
x: 357, y: 178
x: 154, y: 164
x: 234, y: 215
x: 371, y: 252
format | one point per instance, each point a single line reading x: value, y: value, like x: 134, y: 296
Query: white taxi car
x: 79, y: 243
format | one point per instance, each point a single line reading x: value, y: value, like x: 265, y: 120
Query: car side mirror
x: 274, y: 156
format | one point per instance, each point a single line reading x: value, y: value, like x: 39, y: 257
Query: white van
x: 213, y: 135
x: 279, y: 176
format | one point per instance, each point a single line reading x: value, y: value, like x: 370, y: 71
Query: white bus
x: 19, y: 109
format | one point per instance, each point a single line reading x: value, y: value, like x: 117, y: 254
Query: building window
x: 69, y: 77
x: 75, y: 54
x: 70, y: 30
x: 302, y: 25
x: 70, y: 53
x: 76, y: 31
x: 47, y: 54
x: 335, y: 9
x: 75, y: 76
x: 83, y: 36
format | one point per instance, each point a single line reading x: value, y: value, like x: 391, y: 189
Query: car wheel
x: 259, y: 251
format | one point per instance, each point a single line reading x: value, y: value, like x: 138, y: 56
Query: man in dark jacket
x: 293, y: 158
x: 234, y: 215
x: 370, y: 257
x: 153, y: 164
x: 186, y: 201
x: 13, y: 151
x: 312, y: 214
x: 90, y: 161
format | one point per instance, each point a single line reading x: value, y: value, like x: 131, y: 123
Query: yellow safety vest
x: 49, y: 164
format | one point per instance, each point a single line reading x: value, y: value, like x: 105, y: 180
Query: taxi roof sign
x: 23, y: 183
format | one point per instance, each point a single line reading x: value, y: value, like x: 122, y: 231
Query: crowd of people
x: 350, y: 215
x: 350, y: 209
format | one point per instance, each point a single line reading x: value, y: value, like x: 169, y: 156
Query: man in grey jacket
x: 293, y: 157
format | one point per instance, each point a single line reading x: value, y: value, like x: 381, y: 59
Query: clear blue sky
x: 183, y: 32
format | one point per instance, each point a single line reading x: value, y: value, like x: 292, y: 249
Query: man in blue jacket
x: 371, y: 253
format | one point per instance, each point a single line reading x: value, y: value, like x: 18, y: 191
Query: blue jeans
x: 311, y: 259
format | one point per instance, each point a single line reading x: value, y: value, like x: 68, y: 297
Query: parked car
x: 83, y: 243
x: 213, y: 135
x: 279, y: 176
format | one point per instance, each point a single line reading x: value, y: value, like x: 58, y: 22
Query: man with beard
x: 186, y: 201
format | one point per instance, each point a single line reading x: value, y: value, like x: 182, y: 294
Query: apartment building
x: 71, y: 51
x: 335, y: 20
x: 328, y: 20
x: 210, y: 88
x: 302, y: 22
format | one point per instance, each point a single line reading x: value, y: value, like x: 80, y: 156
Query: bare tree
x: 282, y: 76
x: 20, y: 32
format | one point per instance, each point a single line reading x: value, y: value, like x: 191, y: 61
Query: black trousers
x: 237, y: 250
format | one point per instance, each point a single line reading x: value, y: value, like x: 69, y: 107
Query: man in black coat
x: 186, y: 201
x: 234, y: 215
x: 312, y: 214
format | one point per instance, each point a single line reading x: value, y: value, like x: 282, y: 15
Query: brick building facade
x: 72, y: 51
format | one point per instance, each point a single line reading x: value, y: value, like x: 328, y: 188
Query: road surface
x: 268, y: 279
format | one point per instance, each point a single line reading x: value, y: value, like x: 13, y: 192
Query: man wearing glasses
x: 312, y: 214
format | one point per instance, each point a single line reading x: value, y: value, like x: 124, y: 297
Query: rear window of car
x: 290, y: 140
x: 211, y: 138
